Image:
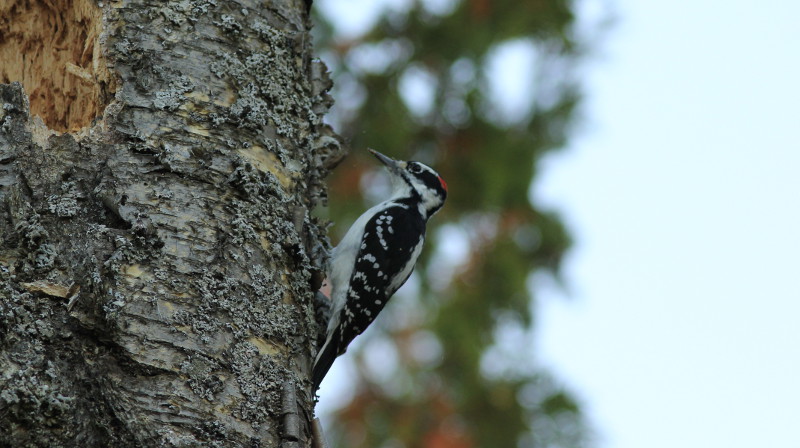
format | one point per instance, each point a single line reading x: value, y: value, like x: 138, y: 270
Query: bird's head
x: 415, y: 180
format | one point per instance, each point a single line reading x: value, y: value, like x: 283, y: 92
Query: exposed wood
x: 54, y: 49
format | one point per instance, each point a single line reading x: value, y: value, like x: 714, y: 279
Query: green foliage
x: 484, y: 389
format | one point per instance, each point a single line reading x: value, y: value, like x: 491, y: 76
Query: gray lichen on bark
x: 158, y: 267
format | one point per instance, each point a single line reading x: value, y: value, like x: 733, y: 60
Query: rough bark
x: 158, y: 260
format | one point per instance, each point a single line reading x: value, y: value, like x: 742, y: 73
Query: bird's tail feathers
x: 325, y: 359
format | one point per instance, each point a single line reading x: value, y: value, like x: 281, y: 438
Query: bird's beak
x: 393, y: 165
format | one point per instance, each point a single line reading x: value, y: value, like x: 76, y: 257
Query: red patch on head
x: 444, y: 184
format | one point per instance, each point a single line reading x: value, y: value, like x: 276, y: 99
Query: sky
x: 678, y: 326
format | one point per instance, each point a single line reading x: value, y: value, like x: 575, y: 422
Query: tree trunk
x: 158, y: 259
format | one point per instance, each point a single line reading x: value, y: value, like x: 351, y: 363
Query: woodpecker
x: 377, y: 255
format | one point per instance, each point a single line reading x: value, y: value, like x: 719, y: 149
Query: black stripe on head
x: 429, y: 177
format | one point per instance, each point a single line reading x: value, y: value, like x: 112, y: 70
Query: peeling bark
x: 158, y: 264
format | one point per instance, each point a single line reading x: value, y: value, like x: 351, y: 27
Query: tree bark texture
x: 158, y: 259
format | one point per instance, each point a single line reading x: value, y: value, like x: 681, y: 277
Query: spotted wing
x: 389, y: 249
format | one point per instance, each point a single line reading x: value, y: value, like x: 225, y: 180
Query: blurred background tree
x: 481, y: 90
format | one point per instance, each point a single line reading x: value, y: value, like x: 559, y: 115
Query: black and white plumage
x: 377, y: 255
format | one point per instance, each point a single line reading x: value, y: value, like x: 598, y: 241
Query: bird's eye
x: 414, y: 168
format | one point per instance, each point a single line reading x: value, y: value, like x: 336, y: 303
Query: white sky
x: 683, y: 192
